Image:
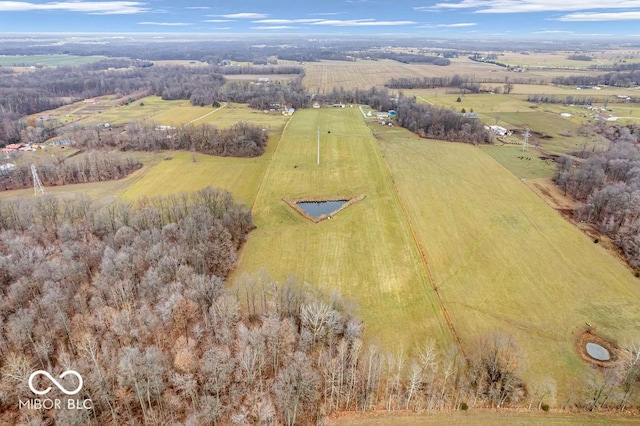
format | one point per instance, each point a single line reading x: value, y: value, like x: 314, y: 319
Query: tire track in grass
x: 423, y: 257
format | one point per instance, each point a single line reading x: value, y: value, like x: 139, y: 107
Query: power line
x: 38, y: 189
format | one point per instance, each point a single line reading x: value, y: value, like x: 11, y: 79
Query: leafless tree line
x: 95, y: 166
x: 133, y: 297
x: 608, y: 181
x: 240, y: 140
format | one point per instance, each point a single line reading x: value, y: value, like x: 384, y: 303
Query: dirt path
x: 224, y: 104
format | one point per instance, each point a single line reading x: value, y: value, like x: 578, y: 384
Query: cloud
x: 520, y: 6
x: 361, y: 23
x: 594, y: 17
x: 217, y: 21
x: 287, y: 21
x: 274, y: 27
x: 90, y: 7
x: 553, y: 32
x: 245, y: 15
x: 166, y: 24
x: 459, y: 25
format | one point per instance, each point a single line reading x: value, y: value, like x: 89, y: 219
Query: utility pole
x: 526, y: 140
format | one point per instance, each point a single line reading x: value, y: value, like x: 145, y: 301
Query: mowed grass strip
x: 502, y: 259
x: 366, y: 252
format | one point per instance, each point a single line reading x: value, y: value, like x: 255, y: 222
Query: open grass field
x: 175, y: 113
x: 177, y: 173
x: 365, y: 252
x: 560, y: 59
x: 362, y: 74
x: 154, y: 108
x: 104, y: 192
x: 524, y: 165
x: 502, y: 259
x: 481, y: 418
x: 47, y: 60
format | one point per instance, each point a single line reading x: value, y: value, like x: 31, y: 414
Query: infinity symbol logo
x: 55, y: 382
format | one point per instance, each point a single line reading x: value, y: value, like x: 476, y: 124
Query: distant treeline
x: 608, y: 182
x: 434, y: 122
x: 477, y: 58
x: 266, y: 96
x: 567, y: 100
x: 468, y: 83
x: 257, y: 70
x: 84, y: 168
x: 578, y: 57
x: 409, y: 58
x: 618, y: 79
x: 239, y: 140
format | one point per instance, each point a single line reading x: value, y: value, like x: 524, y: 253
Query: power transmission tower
x: 526, y: 140
x: 38, y: 189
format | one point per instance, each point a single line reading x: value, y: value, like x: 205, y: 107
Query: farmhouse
x: 500, y: 131
x: 13, y: 147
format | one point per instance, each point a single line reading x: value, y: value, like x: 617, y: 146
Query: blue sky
x: 431, y: 18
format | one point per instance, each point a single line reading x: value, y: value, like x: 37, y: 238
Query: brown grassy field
x: 481, y: 417
x: 503, y: 259
x: 325, y: 75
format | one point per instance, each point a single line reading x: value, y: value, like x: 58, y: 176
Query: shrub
x: 464, y: 406
x: 544, y: 406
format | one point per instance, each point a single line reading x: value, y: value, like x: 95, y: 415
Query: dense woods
x: 135, y: 300
x: 240, y: 140
x: 618, y: 79
x: 608, y: 182
x: 465, y: 83
x: 88, y: 167
x: 433, y: 122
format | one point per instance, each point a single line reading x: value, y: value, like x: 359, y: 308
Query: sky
x: 430, y: 18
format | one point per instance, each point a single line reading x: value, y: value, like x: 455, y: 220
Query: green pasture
x: 177, y: 172
x: 366, y: 252
x: 551, y: 132
x: 525, y: 165
x: 482, y: 103
x: 175, y: 113
x: 47, y: 60
x: 152, y: 108
x: 504, y: 260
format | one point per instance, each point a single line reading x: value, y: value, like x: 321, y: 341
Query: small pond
x: 598, y: 352
x: 319, y: 208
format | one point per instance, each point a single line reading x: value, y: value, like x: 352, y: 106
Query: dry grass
x: 502, y: 259
x: 365, y: 252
